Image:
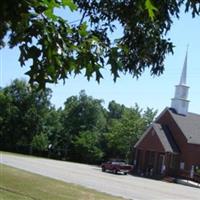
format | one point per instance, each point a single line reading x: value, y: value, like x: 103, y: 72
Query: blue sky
x: 147, y: 91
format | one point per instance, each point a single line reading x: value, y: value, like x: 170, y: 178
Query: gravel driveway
x: 129, y: 187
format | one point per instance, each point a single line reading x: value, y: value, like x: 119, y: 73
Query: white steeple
x: 180, y: 102
x: 184, y: 72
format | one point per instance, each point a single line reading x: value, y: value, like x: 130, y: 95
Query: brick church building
x: 171, y: 145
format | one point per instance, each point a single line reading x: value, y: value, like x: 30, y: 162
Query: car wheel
x: 115, y: 171
x: 125, y: 173
x: 103, y: 169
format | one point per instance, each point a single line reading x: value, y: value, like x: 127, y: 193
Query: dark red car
x: 116, y: 166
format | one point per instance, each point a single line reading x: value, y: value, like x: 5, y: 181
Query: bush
x: 40, y: 142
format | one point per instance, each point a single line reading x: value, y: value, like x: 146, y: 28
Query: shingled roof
x: 189, y: 125
x: 166, y: 138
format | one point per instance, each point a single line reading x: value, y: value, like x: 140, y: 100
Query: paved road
x: 129, y: 187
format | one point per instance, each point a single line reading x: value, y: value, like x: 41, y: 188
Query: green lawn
x: 17, y: 184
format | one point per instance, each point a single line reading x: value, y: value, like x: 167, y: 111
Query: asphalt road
x: 126, y: 186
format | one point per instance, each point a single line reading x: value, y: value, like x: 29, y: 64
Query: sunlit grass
x: 17, y: 184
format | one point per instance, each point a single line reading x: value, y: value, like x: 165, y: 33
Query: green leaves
x: 82, y: 131
x: 57, y: 48
x: 126, y: 125
x: 52, y: 4
x: 83, y: 30
x: 151, y: 9
x: 24, y: 114
x: 70, y: 4
x: 49, y: 12
x: 40, y: 142
x: 114, y: 61
x: 87, y: 147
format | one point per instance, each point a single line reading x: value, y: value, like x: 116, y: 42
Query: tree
x: 58, y: 48
x: 148, y: 115
x: 81, y: 114
x: 23, y: 115
x: 82, y: 131
x: 87, y: 147
x: 53, y: 130
x: 6, y: 110
x: 123, y: 133
x: 40, y: 142
x: 115, y: 110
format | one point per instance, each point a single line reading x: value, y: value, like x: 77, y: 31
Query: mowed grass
x: 17, y: 184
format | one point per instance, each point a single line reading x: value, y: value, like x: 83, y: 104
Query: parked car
x: 116, y: 166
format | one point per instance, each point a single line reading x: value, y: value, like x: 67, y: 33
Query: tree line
x: 82, y: 131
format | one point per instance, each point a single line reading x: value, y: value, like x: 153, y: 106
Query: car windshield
x: 118, y: 163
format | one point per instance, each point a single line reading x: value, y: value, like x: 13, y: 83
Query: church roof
x: 189, y: 125
x: 165, y: 137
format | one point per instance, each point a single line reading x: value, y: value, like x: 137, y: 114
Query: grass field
x: 17, y: 184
